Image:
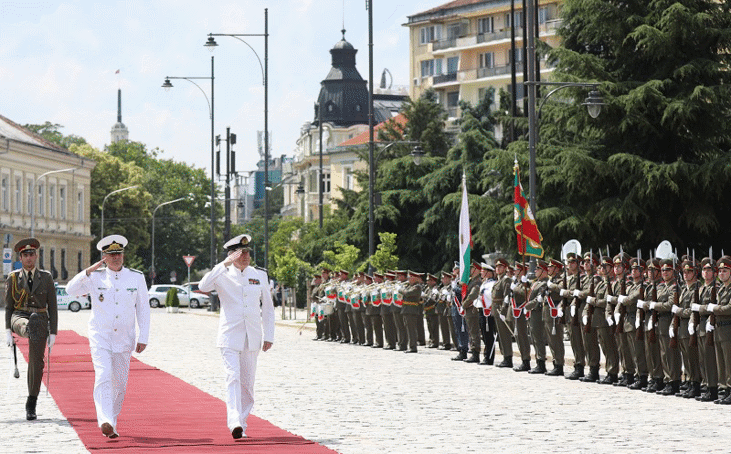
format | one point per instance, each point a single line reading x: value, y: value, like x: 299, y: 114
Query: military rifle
x: 695, y: 317
x: 640, y: 333
x: 622, y: 308
x: 592, y: 294
x: 712, y: 317
x: 652, y: 334
x: 564, y: 300
x: 676, y: 317
x: 575, y: 302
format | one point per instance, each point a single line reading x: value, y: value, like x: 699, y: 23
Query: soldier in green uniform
x: 472, y: 313
x: 588, y: 285
x: 520, y: 323
x: 615, y: 316
x: 666, y: 295
x: 721, y: 330
x: 534, y: 305
x: 690, y: 290
x: 632, y: 322
x: 707, y: 353
x: 652, y: 346
x: 567, y: 291
x: 342, y: 308
x: 397, y: 310
x: 31, y: 312
x: 444, y: 311
x: 411, y: 308
x: 500, y: 292
x: 389, y: 328
x: 487, y: 322
x: 328, y: 295
x: 605, y: 333
x: 553, y: 317
x: 314, y: 297
x: 431, y: 298
x: 358, y: 305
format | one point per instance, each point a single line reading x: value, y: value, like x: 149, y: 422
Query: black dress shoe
x: 487, y: 361
x: 30, y: 408
x: 472, y: 359
x: 610, y: 379
x: 540, y: 368
x: 708, y: 396
x: 507, y: 362
x: 557, y: 371
x: 639, y: 384
x: 377, y: 346
x: 432, y: 346
x: 576, y: 374
x: 402, y: 349
x: 369, y: 344
x: 344, y: 341
x: 389, y: 347
x: 237, y: 433
x: 524, y: 366
x: 592, y: 376
x: 445, y: 347
x: 670, y: 389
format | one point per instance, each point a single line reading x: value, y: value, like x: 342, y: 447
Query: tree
x: 344, y: 257
x: 51, y: 132
x: 384, y: 258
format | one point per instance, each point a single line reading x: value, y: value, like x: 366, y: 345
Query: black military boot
x: 576, y: 374
x: 639, y: 384
x: 684, y: 385
x: 593, y: 375
x: 709, y: 396
x: 557, y: 371
x: 622, y: 380
x: 461, y: 356
x: 540, y: 367
x: 507, y: 362
x: 30, y: 408
x: 694, y: 390
x: 721, y: 395
x: 671, y: 388
x: 627, y: 380
x: 610, y: 379
x: 474, y: 358
x: 524, y: 366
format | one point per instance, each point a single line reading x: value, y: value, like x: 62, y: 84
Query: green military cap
x: 621, y: 259
x: 653, y: 263
x: 666, y: 264
x: 708, y: 263
x: 571, y: 257
x: 542, y: 264
x: 27, y: 244
x: 636, y: 263
x: 591, y: 256
x: 557, y: 263
x: 689, y: 265
x: 724, y: 262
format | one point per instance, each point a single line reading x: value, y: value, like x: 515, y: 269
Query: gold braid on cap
x: 114, y: 247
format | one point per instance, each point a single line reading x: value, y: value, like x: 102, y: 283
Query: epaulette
x: 261, y: 269
x: 43, y: 271
x: 136, y: 271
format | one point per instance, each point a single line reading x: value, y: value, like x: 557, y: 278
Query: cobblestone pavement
x: 359, y: 400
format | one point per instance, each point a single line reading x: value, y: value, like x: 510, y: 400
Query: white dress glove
x: 590, y: 300
x: 502, y: 317
x: 610, y: 321
x: 637, y: 323
x: 691, y: 328
x: 617, y: 315
x: 611, y: 299
x: 576, y: 293
x: 513, y: 286
x: 711, y: 306
x: 671, y: 331
x: 560, y: 313
x: 585, y: 320
x: 9, y: 337
x: 649, y: 323
x: 551, y: 285
x: 573, y: 311
x: 621, y: 299
x: 565, y: 293
x: 506, y: 300
x: 709, y: 327
x: 675, y: 309
x: 652, y: 304
x: 524, y: 279
x: 539, y: 298
x: 695, y: 307
x: 51, y: 340
x: 641, y: 304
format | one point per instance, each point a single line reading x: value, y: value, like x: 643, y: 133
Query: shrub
x: 171, y: 299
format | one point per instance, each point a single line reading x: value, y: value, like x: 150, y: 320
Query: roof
x: 450, y: 5
x: 365, y: 136
x: 14, y: 131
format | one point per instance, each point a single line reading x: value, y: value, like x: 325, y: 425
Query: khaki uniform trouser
x: 538, y: 334
x: 472, y: 319
x: 638, y: 352
x: 432, y: 322
x: 505, y: 338
x: 653, y: 356
x: 691, y: 359
x: 398, y: 322
x: 377, y: 328
x: 670, y: 357
x: 707, y: 355
x: 521, y: 336
x: 554, y: 333
x: 608, y: 343
x: 36, y: 351
x: 626, y: 352
x: 577, y: 344
x: 591, y: 346
x: 389, y: 328
x: 452, y: 332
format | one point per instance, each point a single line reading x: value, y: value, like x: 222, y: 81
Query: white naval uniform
x: 247, y: 319
x: 118, y: 300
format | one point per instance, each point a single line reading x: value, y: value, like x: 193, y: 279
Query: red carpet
x: 161, y: 413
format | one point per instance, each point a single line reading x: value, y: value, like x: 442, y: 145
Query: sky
x: 59, y: 63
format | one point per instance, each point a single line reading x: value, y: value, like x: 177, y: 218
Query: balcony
x: 444, y: 78
x: 498, y: 70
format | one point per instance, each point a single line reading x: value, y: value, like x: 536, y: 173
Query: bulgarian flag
x: 529, y: 238
x: 465, y: 239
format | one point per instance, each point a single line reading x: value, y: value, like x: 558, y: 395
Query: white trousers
x: 111, y: 371
x: 240, y: 370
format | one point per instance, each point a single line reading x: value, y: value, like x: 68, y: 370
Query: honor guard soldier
x: 370, y: 310
x: 119, y: 301
x: 590, y: 338
x: 594, y: 316
x: 500, y: 292
x: 633, y: 329
x: 707, y: 351
x: 721, y: 329
x: 343, y: 309
x: 534, y: 305
x: 30, y: 312
x: 667, y: 292
x: 431, y: 297
x: 460, y: 327
x: 389, y: 327
x: 444, y: 310
x: 397, y: 310
x: 689, y: 294
x: 472, y: 313
x: 616, y: 314
x: 315, y: 310
x: 411, y: 309
x: 375, y: 309
x: 487, y: 322
x: 553, y: 317
x: 518, y: 300
x: 569, y: 292
x: 652, y: 346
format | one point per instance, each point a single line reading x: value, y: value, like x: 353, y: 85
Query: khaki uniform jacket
x: 431, y: 296
x: 687, y: 297
x: 665, y: 297
x: 705, y: 295
x: 42, y: 296
x: 412, y: 299
x: 723, y: 314
x: 500, y: 290
x: 538, y: 287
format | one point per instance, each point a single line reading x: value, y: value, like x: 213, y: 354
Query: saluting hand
x: 232, y: 257
x: 95, y: 266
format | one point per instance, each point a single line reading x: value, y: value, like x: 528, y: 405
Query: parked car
x: 158, y: 293
x: 74, y: 303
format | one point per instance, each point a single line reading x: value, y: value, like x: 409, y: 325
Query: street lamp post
x: 167, y: 86
x: 152, y: 267
x: 33, y: 197
x: 417, y: 154
x: 211, y: 45
x: 105, y: 201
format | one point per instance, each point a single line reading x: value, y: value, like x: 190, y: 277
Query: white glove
x: 675, y: 309
x: 590, y: 300
x: 524, y: 279
x: 506, y: 300
x: 611, y: 299
x: 711, y: 306
x: 709, y: 327
x: 502, y: 317
x: 610, y: 321
x: 9, y: 338
x: 576, y: 293
x: 695, y: 307
x: 51, y: 340
x: 552, y: 285
x: 573, y: 311
x: 617, y: 315
x: 621, y: 299
x: 539, y: 298
x: 649, y: 323
x: 641, y: 304
x: 652, y: 304
x: 691, y: 328
x: 585, y: 320
x: 565, y: 293
x: 560, y: 312
x: 671, y: 331
x: 637, y: 323
x: 513, y: 286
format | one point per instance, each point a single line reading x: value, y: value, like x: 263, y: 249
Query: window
x: 80, y: 206
x: 5, y: 192
x: 452, y: 65
x: 348, y: 178
x: 455, y: 31
x: 40, y: 259
x: 544, y: 15
x: 54, y: 272
x: 487, y: 60
x: 51, y: 200
x: 18, y: 194
x: 429, y: 34
x: 29, y: 202
x: 80, y: 260
x: 62, y: 202
x: 431, y: 67
x: 518, y: 20
x: 518, y: 55
x: 326, y: 182
x: 64, y: 271
x: 41, y: 209
x: 452, y: 99
x: 485, y: 25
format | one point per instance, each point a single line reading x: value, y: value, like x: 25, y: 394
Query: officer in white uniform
x: 118, y: 300
x: 247, y: 320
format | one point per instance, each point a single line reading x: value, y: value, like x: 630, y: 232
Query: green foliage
x: 171, y: 298
x: 51, y: 132
x: 343, y: 257
x: 384, y: 258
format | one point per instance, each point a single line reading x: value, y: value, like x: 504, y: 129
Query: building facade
x: 45, y: 190
x: 463, y: 47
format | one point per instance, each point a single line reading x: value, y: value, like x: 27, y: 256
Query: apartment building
x: 463, y: 47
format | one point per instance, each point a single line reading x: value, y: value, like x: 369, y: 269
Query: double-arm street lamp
x: 34, y: 195
x: 167, y: 86
x: 211, y: 45
x: 105, y: 201
x: 416, y: 154
x: 152, y: 266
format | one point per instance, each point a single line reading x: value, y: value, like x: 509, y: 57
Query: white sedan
x: 74, y: 303
x: 158, y: 294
